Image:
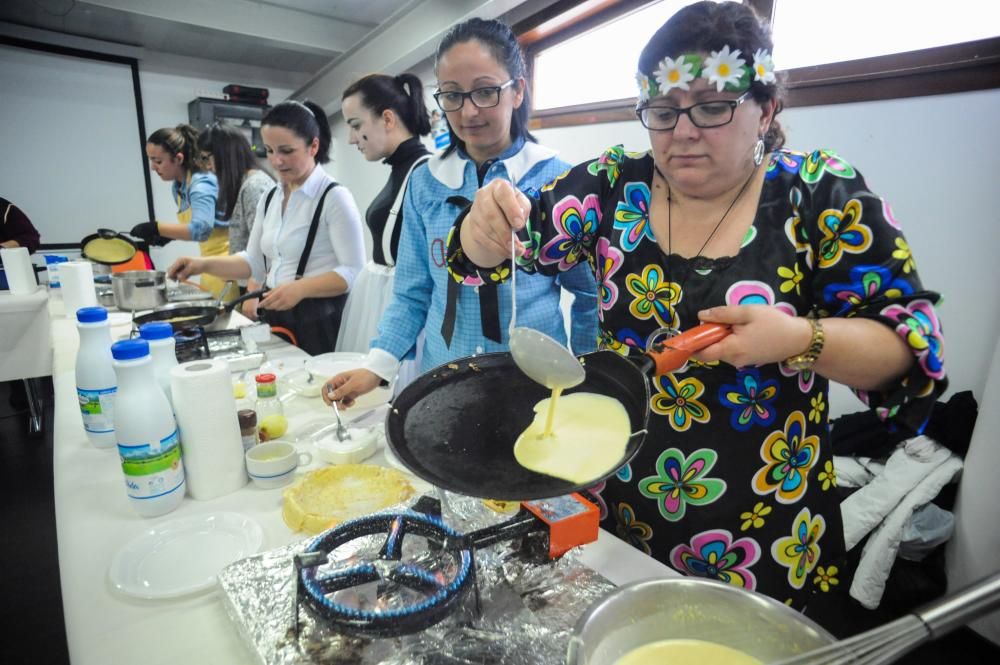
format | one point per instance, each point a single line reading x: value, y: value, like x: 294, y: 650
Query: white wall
x: 363, y: 178
x: 168, y: 83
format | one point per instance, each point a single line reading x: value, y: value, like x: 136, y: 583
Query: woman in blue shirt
x: 173, y: 155
x: 483, y: 93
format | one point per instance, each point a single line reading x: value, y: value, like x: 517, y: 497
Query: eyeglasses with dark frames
x: 484, y: 98
x: 704, y: 115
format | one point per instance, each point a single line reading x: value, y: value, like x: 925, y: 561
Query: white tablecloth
x: 25, y: 342
x: 94, y: 520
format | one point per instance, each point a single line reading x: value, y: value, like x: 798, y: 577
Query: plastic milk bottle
x: 148, y: 440
x: 95, y: 376
x: 160, y: 336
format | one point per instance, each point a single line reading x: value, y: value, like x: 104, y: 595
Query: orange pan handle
x: 286, y: 333
x: 672, y: 354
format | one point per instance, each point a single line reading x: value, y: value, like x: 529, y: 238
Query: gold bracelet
x: 806, y: 359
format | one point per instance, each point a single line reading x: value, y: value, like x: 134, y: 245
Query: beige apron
x: 217, y: 244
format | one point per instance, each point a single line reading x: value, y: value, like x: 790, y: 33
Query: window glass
x: 817, y: 33
x: 600, y: 64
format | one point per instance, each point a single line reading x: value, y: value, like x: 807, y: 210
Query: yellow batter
x: 686, y: 652
x: 589, y: 433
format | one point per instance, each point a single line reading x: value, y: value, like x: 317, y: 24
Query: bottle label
x: 97, y: 408
x: 265, y: 390
x: 249, y: 440
x: 152, y: 469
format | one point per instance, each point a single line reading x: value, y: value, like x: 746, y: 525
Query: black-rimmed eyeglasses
x: 704, y: 115
x: 484, y: 98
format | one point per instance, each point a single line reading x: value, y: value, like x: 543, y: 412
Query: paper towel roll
x: 210, y: 430
x: 77, y: 284
x: 20, y: 274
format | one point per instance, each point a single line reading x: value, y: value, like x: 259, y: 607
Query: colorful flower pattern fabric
x: 735, y: 479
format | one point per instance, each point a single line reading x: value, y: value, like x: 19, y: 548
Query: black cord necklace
x: 670, y: 231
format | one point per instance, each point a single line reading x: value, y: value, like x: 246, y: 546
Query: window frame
x: 953, y: 68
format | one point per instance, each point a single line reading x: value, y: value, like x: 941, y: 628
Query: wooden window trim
x: 934, y: 71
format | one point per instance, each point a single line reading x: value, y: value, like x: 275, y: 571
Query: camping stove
x: 395, y: 592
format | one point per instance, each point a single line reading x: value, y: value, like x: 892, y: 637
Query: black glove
x: 145, y: 231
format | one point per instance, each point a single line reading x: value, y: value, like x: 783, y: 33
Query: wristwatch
x: 805, y: 360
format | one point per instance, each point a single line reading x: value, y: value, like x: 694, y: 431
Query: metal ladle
x: 542, y: 358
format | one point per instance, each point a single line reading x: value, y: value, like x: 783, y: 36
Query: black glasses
x: 704, y: 115
x: 484, y: 98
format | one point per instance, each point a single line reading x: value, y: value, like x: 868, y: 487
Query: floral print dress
x: 735, y: 479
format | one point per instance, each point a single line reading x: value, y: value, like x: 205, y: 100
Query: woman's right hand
x: 249, y: 308
x: 185, y: 267
x: 486, y: 232
x: 348, y: 386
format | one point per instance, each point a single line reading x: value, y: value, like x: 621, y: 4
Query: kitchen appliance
x: 199, y: 343
x: 415, y: 593
x: 526, y: 613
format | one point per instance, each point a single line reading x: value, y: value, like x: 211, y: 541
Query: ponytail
x: 183, y: 140
x: 403, y: 95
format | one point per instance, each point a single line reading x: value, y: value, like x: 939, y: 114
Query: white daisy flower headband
x: 723, y: 68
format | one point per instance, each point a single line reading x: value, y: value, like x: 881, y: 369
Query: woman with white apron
x: 385, y: 114
x: 174, y: 156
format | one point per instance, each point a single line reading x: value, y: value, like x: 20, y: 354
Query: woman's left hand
x: 283, y: 297
x: 760, y: 334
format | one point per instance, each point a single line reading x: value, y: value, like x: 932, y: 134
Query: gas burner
x: 415, y: 594
x: 198, y: 343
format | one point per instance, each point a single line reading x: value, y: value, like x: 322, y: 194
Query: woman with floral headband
x: 719, y: 223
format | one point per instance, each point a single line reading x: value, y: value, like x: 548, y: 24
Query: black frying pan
x: 108, y: 234
x: 455, y: 425
x: 181, y: 315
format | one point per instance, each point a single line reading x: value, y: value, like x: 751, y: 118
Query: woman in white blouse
x: 308, y: 281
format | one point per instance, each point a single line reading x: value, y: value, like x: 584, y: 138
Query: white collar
x: 450, y: 170
x: 311, y: 187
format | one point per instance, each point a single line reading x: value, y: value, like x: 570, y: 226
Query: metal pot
x: 105, y: 296
x: 139, y: 289
x: 693, y: 608
x: 100, y: 268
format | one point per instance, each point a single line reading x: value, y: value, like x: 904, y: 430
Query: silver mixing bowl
x: 690, y: 608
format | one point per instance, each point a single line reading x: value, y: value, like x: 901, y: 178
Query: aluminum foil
x: 527, y: 609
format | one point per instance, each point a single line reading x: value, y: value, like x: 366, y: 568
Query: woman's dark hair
x: 403, y: 94
x: 307, y: 119
x: 502, y: 44
x: 233, y: 157
x: 182, y: 139
x: 708, y: 26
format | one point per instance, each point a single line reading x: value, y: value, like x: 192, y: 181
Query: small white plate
x: 184, y: 555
